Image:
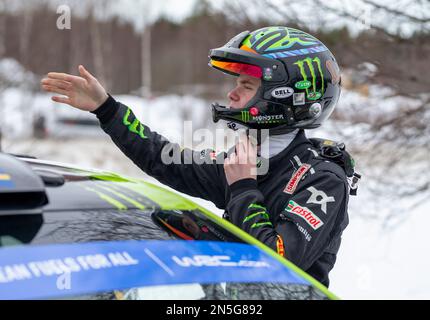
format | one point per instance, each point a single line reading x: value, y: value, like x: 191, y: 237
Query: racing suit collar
x: 299, y: 144
x: 277, y: 144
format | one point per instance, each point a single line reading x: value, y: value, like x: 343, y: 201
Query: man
x: 287, y: 81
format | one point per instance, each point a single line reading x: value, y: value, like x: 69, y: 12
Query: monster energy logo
x: 135, y: 126
x: 276, y: 118
x: 245, y: 116
x: 311, y: 63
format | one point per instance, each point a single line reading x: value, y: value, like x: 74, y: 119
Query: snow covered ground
x: 384, y: 254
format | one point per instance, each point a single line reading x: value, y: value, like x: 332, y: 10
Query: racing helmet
x: 300, y: 79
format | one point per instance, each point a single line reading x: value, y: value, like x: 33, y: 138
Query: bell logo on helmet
x: 313, y: 65
x: 282, y: 93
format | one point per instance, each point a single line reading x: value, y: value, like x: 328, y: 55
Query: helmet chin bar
x: 236, y: 126
x: 258, y: 115
x: 239, y: 116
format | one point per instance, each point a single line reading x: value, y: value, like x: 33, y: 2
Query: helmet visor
x: 237, y: 68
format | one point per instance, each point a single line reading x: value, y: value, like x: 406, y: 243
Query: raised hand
x: 84, y: 92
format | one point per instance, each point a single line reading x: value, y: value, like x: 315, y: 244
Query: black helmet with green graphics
x: 300, y: 79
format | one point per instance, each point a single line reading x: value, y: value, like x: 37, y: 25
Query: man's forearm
x: 247, y: 211
x: 146, y: 149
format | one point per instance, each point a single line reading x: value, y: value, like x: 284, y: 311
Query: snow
x: 163, y: 114
x: 15, y: 74
x: 378, y: 262
x: 384, y: 254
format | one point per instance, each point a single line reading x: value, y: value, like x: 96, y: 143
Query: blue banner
x: 55, y: 271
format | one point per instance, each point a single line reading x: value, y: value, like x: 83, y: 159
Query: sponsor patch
x: 305, y: 232
x: 311, y: 70
x: 303, y: 85
x: 306, y: 214
x: 246, y: 117
x: 297, y: 177
x: 280, y: 248
x: 268, y: 74
x: 320, y: 198
x: 314, y: 96
x: 282, y: 93
x: 299, y: 99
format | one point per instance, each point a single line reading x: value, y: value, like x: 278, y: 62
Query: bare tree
x: 147, y: 11
x: 97, y: 44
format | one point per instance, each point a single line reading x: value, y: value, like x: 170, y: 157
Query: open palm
x: 84, y: 93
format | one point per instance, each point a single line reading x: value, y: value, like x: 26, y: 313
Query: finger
x: 252, y: 154
x: 55, y: 90
x: 242, y: 153
x: 65, y: 77
x: 253, y: 141
x: 251, y: 146
x: 232, y: 158
x: 226, y: 162
x: 57, y: 83
x: 244, y: 140
x: 64, y: 100
x: 85, y: 73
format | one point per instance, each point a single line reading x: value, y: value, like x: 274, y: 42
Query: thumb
x: 85, y: 74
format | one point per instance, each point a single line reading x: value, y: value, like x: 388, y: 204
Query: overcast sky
x: 139, y: 12
x: 312, y: 15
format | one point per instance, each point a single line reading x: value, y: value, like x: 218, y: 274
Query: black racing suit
x: 299, y: 208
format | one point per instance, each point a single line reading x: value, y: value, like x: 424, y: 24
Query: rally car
x: 67, y: 232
